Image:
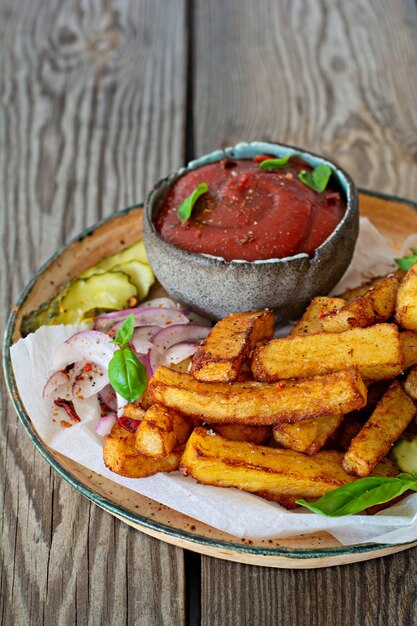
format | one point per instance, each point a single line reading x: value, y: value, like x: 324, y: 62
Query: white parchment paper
x: 230, y: 510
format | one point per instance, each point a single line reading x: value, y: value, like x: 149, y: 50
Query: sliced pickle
x: 136, y: 252
x: 140, y: 274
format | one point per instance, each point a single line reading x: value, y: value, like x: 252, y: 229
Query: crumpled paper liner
x: 230, y: 510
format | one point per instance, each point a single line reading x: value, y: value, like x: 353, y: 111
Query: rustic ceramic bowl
x: 215, y: 287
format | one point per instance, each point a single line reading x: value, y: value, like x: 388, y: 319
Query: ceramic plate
x: 305, y: 551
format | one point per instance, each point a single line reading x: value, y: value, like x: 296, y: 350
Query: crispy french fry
x: 160, y: 431
x: 222, y: 354
x: 307, y: 436
x: 351, y: 294
x: 121, y: 457
x: 244, y: 432
x: 406, y: 309
x: 258, y: 403
x: 342, y: 437
x: 408, y: 341
x: 410, y: 384
x: 389, y: 420
x: 375, y: 305
x: 273, y: 472
x: 133, y: 412
x: 310, y: 322
x: 375, y: 351
x: 358, y: 313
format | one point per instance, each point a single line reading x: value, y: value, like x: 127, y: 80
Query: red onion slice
x: 91, y: 379
x: 107, y: 396
x: 179, y: 352
x: 168, y: 337
x: 105, y: 321
x: 54, y: 382
x: 106, y: 424
x: 154, y: 316
x: 141, y: 338
x: 88, y: 345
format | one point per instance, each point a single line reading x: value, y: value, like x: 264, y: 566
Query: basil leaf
x: 186, y: 207
x: 406, y: 262
x: 318, y: 179
x: 125, y: 332
x: 127, y: 375
x: 273, y: 164
x: 361, y: 494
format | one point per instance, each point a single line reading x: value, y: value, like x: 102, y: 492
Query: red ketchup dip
x: 250, y: 213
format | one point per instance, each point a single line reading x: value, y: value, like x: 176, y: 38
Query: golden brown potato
x: 389, y: 420
x: 274, y: 472
x: 410, y: 384
x: 243, y: 432
x: 258, y: 403
x: 121, y: 457
x: 133, y: 412
x: 358, y: 313
x: 375, y: 351
x: 382, y: 296
x: 408, y: 341
x: 351, y: 294
x: 406, y: 308
x: 310, y: 322
x: 307, y: 436
x: 160, y: 431
x: 222, y: 354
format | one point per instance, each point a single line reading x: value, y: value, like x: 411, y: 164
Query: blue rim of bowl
x: 107, y: 504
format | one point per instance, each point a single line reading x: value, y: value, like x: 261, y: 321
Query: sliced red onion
x: 54, y: 382
x: 107, y: 320
x: 90, y: 381
x: 106, y: 424
x: 164, y: 303
x: 154, y: 316
x: 108, y: 397
x: 121, y: 403
x: 179, y: 352
x: 168, y: 337
x: 141, y: 338
x: 88, y: 345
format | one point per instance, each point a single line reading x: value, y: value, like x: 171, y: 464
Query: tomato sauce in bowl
x: 250, y: 213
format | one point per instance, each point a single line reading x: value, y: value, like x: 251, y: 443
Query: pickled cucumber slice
x: 136, y: 252
x: 404, y: 453
x: 140, y: 274
x: 110, y: 290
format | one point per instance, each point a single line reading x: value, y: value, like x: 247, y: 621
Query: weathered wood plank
x: 338, y: 78
x: 335, y: 77
x: 92, y: 113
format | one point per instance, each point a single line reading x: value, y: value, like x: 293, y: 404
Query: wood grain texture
x: 91, y: 114
x: 337, y: 78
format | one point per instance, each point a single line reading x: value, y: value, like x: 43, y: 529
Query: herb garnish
x: 362, y: 494
x: 406, y: 262
x: 126, y: 373
x: 317, y: 179
x: 186, y: 207
x: 274, y: 164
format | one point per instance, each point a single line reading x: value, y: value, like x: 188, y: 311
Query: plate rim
x: 113, y: 508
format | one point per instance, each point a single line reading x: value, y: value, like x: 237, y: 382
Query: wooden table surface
x: 98, y: 100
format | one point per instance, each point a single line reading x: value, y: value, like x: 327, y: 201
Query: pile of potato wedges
x: 285, y: 418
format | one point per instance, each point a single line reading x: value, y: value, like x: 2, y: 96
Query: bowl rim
x: 255, y: 147
x: 118, y: 510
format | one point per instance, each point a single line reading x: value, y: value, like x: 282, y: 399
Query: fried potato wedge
x: 244, y: 432
x: 406, y: 308
x: 410, y: 384
x: 133, y: 412
x: 121, y: 457
x: 272, y: 472
x: 389, y: 420
x: 373, y: 306
x: 307, y: 436
x: 222, y: 354
x: 258, y: 403
x: 408, y: 341
x: 375, y: 351
x: 310, y: 322
x: 358, y: 313
x: 160, y: 431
